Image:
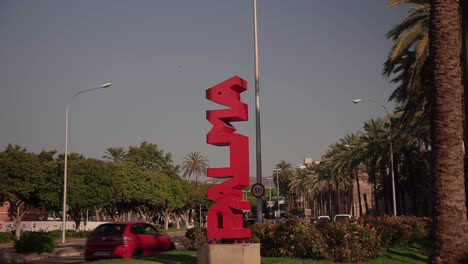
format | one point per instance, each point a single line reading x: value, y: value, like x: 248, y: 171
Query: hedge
x: 34, y: 242
x: 350, y: 241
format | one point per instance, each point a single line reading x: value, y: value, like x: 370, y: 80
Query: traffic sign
x: 270, y: 203
x: 258, y: 190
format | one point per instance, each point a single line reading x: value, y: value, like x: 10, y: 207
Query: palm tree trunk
x: 450, y: 212
x: 376, y: 198
x: 322, y: 206
x: 358, y: 187
x: 366, y: 204
x: 403, y: 202
x: 338, y: 195
x: 464, y: 8
x: 385, y: 191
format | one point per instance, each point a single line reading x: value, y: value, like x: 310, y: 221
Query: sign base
x: 247, y: 253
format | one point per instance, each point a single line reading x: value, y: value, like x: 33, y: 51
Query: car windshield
x: 109, y: 230
x: 341, y: 218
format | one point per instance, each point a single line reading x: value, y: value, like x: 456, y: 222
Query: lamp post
x: 152, y: 163
x: 356, y: 101
x: 277, y: 182
x: 269, y: 184
x: 258, y: 146
x: 64, y: 208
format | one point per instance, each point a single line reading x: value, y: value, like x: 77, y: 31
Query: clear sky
x: 161, y: 56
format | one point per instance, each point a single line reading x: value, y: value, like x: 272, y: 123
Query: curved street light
x: 64, y: 208
x: 356, y: 101
x: 277, y: 182
x: 152, y: 163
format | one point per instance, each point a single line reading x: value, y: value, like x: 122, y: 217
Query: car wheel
x: 136, y: 253
x: 172, y: 247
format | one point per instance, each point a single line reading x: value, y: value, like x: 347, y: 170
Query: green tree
x: 195, y: 196
x: 148, y: 156
x: 194, y: 164
x: 21, y: 176
x: 128, y: 186
x: 51, y: 189
x: 152, y: 194
x: 174, y: 201
x: 88, y: 186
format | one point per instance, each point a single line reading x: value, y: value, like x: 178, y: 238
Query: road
x: 175, y: 236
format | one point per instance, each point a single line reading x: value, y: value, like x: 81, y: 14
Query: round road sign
x: 258, y: 190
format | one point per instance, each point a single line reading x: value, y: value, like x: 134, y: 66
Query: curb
x: 9, y: 255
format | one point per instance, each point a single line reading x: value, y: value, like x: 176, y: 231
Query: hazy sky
x: 161, y: 56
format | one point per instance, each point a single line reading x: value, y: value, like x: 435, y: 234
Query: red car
x: 125, y: 240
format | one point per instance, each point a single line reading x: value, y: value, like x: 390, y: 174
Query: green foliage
x: 295, y: 239
x: 34, y: 242
x: 21, y: 180
x: 148, y: 156
x: 6, y: 237
x: 88, y: 186
x: 401, y: 230
x: 350, y: 242
x: 195, y: 237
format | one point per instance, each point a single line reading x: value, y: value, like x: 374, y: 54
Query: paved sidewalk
x: 70, y: 248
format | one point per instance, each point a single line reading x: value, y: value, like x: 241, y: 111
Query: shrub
x: 350, y: 242
x: 399, y: 231
x: 294, y: 239
x: 34, y: 242
x: 195, y: 237
x: 6, y: 237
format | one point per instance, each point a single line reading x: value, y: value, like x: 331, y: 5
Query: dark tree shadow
x: 413, y: 256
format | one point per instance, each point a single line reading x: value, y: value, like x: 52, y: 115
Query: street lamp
x: 64, y: 209
x: 269, y: 184
x: 277, y: 182
x: 258, y: 146
x: 356, y: 101
x: 152, y: 163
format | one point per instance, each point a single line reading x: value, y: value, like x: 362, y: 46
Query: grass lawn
x: 412, y: 254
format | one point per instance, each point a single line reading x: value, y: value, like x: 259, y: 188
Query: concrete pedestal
x: 248, y: 253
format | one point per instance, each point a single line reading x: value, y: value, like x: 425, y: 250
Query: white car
x: 341, y: 217
x: 323, y: 218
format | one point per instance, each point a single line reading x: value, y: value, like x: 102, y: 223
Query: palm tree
x: 408, y: 59
x: 450, y: 212
x: 348, y: 160
x: 117, y: 154
x: 284, y: 174
x: 325, y: 171
x: 300, y: 184
x: 321, y: 184
x: 194, y: 164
